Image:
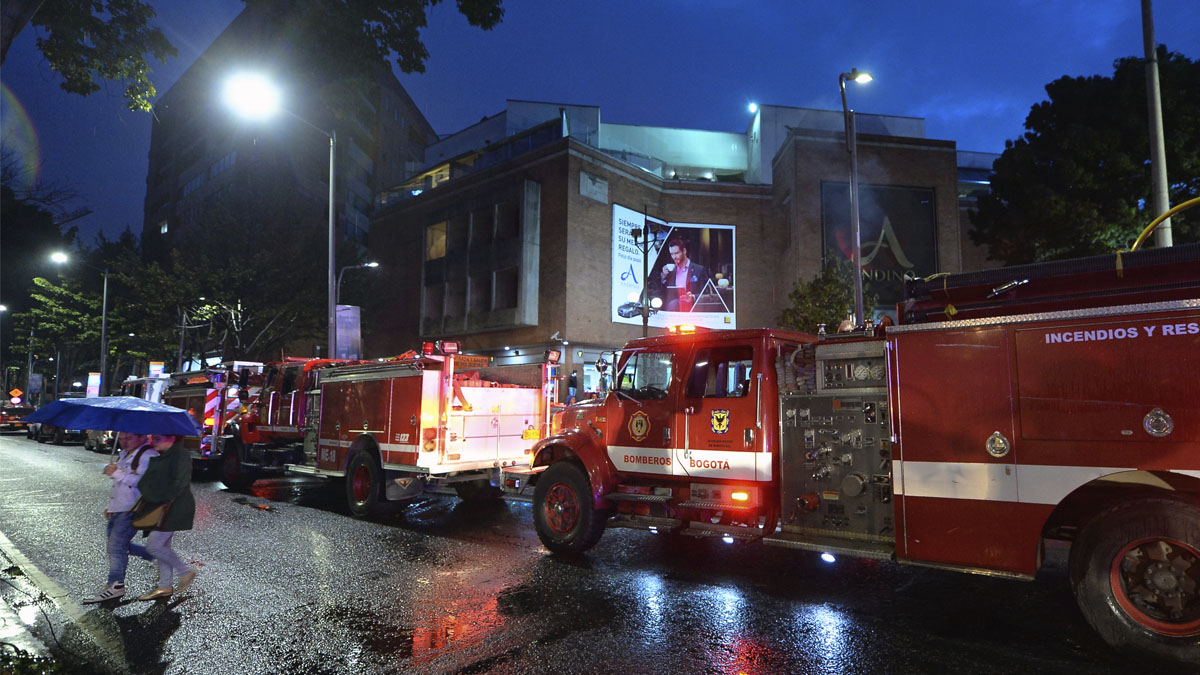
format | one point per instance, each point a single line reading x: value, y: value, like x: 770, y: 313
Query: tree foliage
x: 1079, y: 180
x: 86, y: 40
x: 826, y: 299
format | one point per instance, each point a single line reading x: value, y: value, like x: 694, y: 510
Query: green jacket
x: 167, y: 477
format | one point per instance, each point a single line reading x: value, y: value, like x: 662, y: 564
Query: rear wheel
x: 1135, y: 570
x: 564, y: 513
x: 234, y: 474
x: 364, y: 484
x: 60, y: 437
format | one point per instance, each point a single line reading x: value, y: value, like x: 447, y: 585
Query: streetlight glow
x: 753, y: 107
x: 59, y: 257
x: 252, y: 95
x: 860, y: 77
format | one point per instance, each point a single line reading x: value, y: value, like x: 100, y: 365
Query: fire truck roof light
x: 448, y: 346
x: 829, y: 558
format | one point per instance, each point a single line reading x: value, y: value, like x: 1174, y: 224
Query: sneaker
x: 185, y: 581
x: 110, y: 592
x: 164, y: 592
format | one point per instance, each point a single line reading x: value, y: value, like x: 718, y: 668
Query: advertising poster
x: 897, y: 231
x: 689, y: 271
x: 93, y: 384
x: 156, y: 368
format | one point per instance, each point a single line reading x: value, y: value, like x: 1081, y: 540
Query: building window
x: 506, y: 288
x: 435, y: 241
x: 508, y: 224
x: 481, y: 226
x: 162, y: 227
x: 481, y: 293
x: 193, y: 185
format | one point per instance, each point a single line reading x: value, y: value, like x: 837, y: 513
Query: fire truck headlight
x: 740, y: 496
x: 727, y: 539
x: 829, y: 558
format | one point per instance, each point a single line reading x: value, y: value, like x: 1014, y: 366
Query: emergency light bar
x: 448, y: 346
x: 681, y: 330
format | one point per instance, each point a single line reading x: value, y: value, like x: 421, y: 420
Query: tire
x: 477, y: 491
x: 60, y: 437
x: 1135, y: 571
x: 364, y: 484
x: 234, y: 474
x: 40, y: 437
x: 564, y: 514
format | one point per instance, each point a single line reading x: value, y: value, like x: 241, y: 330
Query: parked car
x: 99, y: 441
x: 58, y: 435
x: 11, y: 417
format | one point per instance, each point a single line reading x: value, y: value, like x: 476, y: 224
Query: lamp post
x: 61, y: 258
x: 253, y: 96
x: 852, y: 148
x: 342, y: 271
x: 642, y: 236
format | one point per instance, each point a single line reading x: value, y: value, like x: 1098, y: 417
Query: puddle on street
x: 463, y: 624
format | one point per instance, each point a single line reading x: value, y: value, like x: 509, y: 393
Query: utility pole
x: 1158, y: 154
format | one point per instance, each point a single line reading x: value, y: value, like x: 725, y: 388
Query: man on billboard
x: 681, y: 278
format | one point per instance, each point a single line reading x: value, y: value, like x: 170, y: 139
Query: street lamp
x: 254, y: 97
x: 642, y: 236
x: 342, y: 271
x: 61, y: 258
x: 852, y: 148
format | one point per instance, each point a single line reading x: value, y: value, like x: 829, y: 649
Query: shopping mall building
x: 519, y: 235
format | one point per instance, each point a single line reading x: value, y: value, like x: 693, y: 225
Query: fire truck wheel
x: 563, y: 512
x: 1135, y: 570
x: 364, y: 484
x: 234, y: 475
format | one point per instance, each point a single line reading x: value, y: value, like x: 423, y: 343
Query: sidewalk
x: 19, y: 610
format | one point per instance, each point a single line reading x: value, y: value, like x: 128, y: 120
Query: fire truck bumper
x: 520, y: 480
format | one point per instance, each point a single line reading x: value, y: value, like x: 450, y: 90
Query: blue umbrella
x: 117, y: 413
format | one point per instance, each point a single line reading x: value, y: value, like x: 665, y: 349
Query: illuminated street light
x: 253, y: 96
x: 342, y: 271
x: 62, y: 258
x: 852, y: 148
x: 753, y: 107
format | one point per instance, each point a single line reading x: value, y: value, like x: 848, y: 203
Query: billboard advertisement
x: 688, y: 271
x: 897, y: 231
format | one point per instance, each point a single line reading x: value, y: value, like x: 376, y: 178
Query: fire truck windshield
x: 646, y: 375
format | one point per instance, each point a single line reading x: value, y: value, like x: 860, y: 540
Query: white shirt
x: 124, y: 492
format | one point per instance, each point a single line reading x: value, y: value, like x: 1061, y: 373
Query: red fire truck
x: 1009, y: 407
x: 207, y: 395
x: 395, y: 427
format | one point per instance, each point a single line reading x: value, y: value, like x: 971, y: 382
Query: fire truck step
x: 838, y: 546
x: 699, y: 504
x: 713, y: 530
x: 627, y: 497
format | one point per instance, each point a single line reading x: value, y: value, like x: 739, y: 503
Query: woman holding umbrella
x: 168, y: 478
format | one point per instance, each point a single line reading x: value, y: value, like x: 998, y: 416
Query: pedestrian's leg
x: 169, y: 563
x: 120, y: 532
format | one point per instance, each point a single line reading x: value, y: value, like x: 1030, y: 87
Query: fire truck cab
x: 211, y: 397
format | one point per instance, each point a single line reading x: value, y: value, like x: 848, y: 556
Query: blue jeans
x: 120, y: 545
x: 158, y: 544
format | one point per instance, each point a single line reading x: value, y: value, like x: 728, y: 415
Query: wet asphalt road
x: 289, y: 583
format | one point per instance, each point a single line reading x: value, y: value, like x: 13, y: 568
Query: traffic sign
x: 15, y: 392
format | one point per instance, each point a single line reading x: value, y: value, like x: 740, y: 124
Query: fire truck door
x: 719, y: 416
x: 641, y: 413
x: 955, y: 473
x: 286, y: 413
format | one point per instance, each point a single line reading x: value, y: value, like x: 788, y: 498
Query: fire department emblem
x: 639, y: 426
x: 720, y: 421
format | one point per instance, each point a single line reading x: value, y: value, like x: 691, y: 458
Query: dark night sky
x: 971, y: 69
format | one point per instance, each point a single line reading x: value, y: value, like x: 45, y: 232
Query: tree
x: 86, y: 40
x: 827, y: 299
x: 1078, y: 181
